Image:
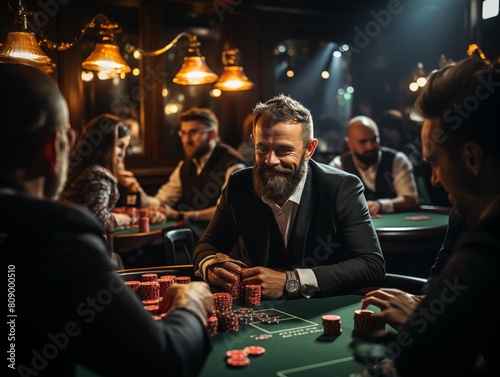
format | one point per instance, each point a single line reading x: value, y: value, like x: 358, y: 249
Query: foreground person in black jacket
x: 67, y: 304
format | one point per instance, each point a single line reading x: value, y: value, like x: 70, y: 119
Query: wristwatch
x: 292, y: 284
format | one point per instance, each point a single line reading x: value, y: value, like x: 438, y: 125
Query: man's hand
x: 374, y: 207
x: 271, y: 281
x: 222, y: 271
x: 155, y: 215
x: 195, y: 296
x: 396, y: 306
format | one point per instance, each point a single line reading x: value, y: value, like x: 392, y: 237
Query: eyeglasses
x: 193, y: 132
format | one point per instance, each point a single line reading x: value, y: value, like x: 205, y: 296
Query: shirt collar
x: 492, y: 209
x: 200, y: 163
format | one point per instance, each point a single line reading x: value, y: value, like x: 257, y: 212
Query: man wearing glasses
x: 194, y: 187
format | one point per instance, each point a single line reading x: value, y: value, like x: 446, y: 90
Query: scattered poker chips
x: 270, y: 319
x: 238, y: 361
x: 252, y: 295
x: 254, y: 350
x: 236, y: 353
x: 364, y: 323
x: 332, y: 325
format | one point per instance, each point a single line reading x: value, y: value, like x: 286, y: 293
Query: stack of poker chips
x: 332, y: 325
x: 364, y: 323
x: 134, y: 285
x: 165, y: 282
x: 236, y: 290
x: 222, y: 302
x: 212, y: 325
x: 183, y: 280
x: 228, y: 321
x: 252, y: 295
x: 149, y: 277
x: 149, y: 290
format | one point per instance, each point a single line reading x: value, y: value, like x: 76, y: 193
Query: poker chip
x: 134, y: 285
x: 153, y: 309
x: 417, y: 218
x: 252, y: 295
x: 332, y: 325
x: 254, y: 350
x: 153, y: 301
x: 364, y: 323
x: 235, y: 290
x: 236, y: 353
x: 223, y: 302
x: 149, y: 277
x: 165, y: 282
x: 228, y: 322
x: 212, y: 324
x: 149, y: 290
x: 183, y: 280
x: 238, y: 361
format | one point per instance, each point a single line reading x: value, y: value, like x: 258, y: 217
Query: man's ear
x: 50, y: 153
x: 473, y: 157
x: 311, y: 148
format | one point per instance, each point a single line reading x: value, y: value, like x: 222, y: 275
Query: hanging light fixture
x: 233, y: 77
x: 21, y: 46
x: 194, y: 69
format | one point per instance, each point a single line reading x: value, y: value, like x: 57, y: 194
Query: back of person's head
x: 465, y: 97
x: 96, y: 144
x: 247, y: 126
x: 32, y: 110
x: 202, y: 115
x: 284, y: 109
x: 390, y: 121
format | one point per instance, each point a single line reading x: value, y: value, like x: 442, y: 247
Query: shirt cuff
x: 386, y: 205
x: 202, y: 267
x: 308, y: 282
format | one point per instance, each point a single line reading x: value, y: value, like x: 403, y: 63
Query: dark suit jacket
x: 455, y: 330
x: 333, y: 232
x: 72, y: 307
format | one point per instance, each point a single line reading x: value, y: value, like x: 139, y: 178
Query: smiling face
x: 280, y: 159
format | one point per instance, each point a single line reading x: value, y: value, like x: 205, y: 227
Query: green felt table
x: 410, y: 246
x: 297, y: 347
x: 129, y: 239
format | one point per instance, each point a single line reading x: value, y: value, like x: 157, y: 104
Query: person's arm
x: 167, y: 194
x: 404, y: 185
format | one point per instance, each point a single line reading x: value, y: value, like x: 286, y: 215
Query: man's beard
x: 199, y: 152
x: 277, y: 186
x: 367, y: 158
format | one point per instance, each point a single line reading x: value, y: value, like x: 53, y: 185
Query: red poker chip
x: 255, y: 350
x: 238, y: 361
x: 236, y: 353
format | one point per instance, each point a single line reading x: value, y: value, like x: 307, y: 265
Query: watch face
x: 292, y: 286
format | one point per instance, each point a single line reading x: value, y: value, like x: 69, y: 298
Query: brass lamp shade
x: 194, y: 71
x: 233, y: 79
x: 106, y: 57
x: 21, y: 47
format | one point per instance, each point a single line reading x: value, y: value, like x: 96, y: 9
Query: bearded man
x: 387, y: 174
x: 303, y: 228
x: 194, y: 187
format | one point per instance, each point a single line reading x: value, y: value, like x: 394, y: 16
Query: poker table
x: 296, y: 345
x: 127, y: 239
x: 410, y: 240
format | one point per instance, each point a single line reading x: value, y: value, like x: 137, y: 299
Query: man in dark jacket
x: 302, y: 227
x: 67, y: 305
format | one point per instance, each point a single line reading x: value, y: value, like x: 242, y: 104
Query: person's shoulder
x: 230, y: 152
x: 99, y: 172
x: 329, y: 170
